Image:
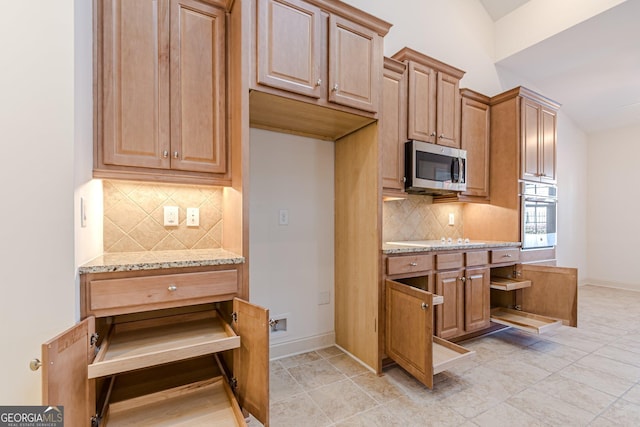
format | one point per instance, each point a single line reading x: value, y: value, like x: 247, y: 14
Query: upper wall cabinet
x: 531, y: 120
x: 322, y: 53
x: 161, y: 78
x: 393, y: 124
x: 433, y: 109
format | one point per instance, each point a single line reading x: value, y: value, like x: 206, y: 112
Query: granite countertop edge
x: 154, y: 260
x: 389, y: 249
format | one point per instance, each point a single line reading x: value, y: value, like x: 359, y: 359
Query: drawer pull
x: 413, y: 264
x: 424, y: 306
x: 506, y: 256
x: 172, y: 288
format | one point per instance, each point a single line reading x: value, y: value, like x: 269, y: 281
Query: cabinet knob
x: 165, y: 154
x: 424, y: 306
x: 35, y: 364
x: 172, y: 288
x: 175, y: 155
x: 319, y: 82
x: 463, y: 279
x: 433, y: 134
x: 335, y: 87
x: 441, y: 136
x: 413, y: 264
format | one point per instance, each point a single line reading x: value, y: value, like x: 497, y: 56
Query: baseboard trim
x: 610, y: 284
x: 301, y: 345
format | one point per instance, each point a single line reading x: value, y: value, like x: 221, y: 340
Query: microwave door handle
x: 455, y: 172
x: 461, y: 168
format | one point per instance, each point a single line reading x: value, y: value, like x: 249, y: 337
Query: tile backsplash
x: 134, y: 216
x: 417, y: 218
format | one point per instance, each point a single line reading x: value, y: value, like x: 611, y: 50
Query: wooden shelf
x: 524, y: 321
x: 506, y: 284
x: 447, y: 354
x: 204, y: 403
x: 438, y: 299
x: 152, y: 342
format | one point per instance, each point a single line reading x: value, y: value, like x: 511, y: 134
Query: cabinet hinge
x: 93, y: 340
x: 95, y: 421
x: 233, y: 383
x: 234, y: 317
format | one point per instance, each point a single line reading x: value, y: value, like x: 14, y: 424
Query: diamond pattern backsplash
x: 417, y: 218
x: 134, y: 217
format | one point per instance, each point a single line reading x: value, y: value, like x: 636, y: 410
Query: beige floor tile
x: 597, y: 379
x: 330, y: 352
x: 558, y: 350
x: 341, y: 400
x: 379, y: 388
x: 347, y: 365
x: 473, y: 401
x: 296, y: 411
x: 611, y: 367
x: 376, y: 417
x: 553, y: 411
x: 603, y: 422
x: 415, y: 414
x: 633, y: 395
x: 544, y: 361
x: 299, y: 359
x: 316, y: 374
x: 623, y: 413
x: 616, y: 353
x: 282, y: 385
x: 514, y: 366
x: 575, y: 393
x: 505, y: 415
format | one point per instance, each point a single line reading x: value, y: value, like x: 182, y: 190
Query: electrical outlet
x: 83, y: 212
x: 193, y: 217
x: 283, y: 217
x: 452, y: 219
x: 324, y: 297
x: 171, y: 216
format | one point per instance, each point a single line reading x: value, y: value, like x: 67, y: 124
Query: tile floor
x: 571, y: 377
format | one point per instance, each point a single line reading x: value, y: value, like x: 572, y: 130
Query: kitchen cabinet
x: 175, y: 338
x: 310, y: 48
x: 538, y: 142
x: 393, y: 124
x: 433, y: 99
x: 161, y: 91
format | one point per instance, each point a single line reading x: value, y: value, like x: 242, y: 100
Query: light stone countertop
x: 152, y: 260
x: 437, y: 245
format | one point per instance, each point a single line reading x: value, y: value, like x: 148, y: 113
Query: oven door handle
x: 540, y: 199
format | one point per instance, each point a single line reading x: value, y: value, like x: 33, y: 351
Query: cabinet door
x: 251, y: 360
x: 135, y: 76
x: 477, y: 299
x: 198, y: 108
x: 64, y: 373
x: 422, y: 103
x: 355, y: 64
x: 448, y: 111
x: 289, y: 46
x: 548, y: 145
x: 409, y: 330
x: 553, y: 292
x: 393, y: 128
x: 450, y: 314
x: 474, y: 139
x: 530, y: 140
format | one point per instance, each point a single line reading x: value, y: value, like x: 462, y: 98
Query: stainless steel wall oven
x: 539, y: 210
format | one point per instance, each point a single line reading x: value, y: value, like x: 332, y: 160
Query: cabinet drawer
x: 447, y: 261
x: 499, y: 256
x: 132, y: 294
x: 477, y: 258
x: 409, y: 264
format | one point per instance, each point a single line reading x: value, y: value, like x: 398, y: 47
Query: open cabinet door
x: 553, y: 292
x: 251, y: 360
x: 409, y: 330
x: 64, y: 373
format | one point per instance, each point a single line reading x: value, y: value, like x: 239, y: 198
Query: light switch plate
x: 193, y: 217
x: 171, y: 216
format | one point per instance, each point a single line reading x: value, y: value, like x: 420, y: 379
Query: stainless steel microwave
x: 434, y: 169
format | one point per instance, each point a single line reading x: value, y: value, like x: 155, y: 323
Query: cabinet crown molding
x: 476, y: 96
x: 394, y: 65
x: 408, y: 54
x: 527, y: 93
x: 353, y: 14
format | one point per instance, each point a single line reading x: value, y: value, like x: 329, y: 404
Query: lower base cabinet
x: 409, y: 339
x: 194, y: 365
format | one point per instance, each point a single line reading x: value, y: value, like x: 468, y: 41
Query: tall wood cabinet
x: 177, y: 338
x: 161, y: 90
x: 393, y: 124
x: 433, y: 99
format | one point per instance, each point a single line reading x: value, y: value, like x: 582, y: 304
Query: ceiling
x: 592, y: 69
x: 499, y: 8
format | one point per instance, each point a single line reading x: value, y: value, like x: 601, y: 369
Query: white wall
x: 290, y: 265
x: 613, y: 206
x: 36, y: 237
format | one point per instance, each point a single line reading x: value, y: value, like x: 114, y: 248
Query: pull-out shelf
x: 447, y: 354
x: 524, y: 321
x: 506, y: 284
x: 146, y: 343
